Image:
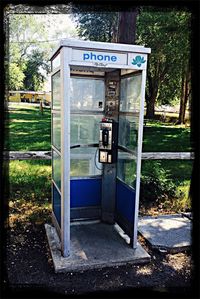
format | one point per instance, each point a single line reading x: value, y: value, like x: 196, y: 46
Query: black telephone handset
x: 108, y: 141
x: 105, y: 136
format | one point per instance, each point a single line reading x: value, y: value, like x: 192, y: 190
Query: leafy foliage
x: 16, y: 68
x: 165, y: 32
x: 24, y: 32
x: 16, y: 77
x: 95, y: 25
x: 157, y: 185
x: 34, y: 72
x: 31, y: 40
x: 165, y: 186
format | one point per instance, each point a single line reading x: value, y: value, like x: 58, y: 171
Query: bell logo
x: 99, y: 57
x: 138, y: 60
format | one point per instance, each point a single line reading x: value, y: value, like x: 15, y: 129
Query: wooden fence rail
x: 46, y: 155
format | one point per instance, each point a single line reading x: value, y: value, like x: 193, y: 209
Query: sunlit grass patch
x: 28, y: 129
x: 30, y: 177
x: 23, y: 212
x: 29, y: 191
x: 162, y: 137
x: 30, y: 181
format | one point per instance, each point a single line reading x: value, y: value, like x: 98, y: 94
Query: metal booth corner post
x: 139, y: 155
x: 65, y: 151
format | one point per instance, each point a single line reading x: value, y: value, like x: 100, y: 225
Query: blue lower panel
x: 85, y: 193
x: 56, y: 204
x: 125, y: 201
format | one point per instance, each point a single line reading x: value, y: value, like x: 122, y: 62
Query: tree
x: 16, y: 77
x: 127, y: 26
x: 24, y: 31
x: 33, y: 37
x: 105, y: 24
x: 16, y: 68
x: 34, y: 74
x: 185, y: 93
x: 96, y: 26
x: 165, y: 33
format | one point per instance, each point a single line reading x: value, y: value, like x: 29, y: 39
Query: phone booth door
x: 87, y: 95
x: 129, y: 112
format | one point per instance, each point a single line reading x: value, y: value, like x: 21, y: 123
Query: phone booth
x: 98, y: 92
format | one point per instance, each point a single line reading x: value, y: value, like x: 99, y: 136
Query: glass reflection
x: 57, y: 169
x: 87, y: 94
x: 56, y: 131
x: 128, y: 131
x: 85, y: 129
x: 56, y: 96
x: 130, y: 93
x: 84, y: 162
x: 126, y: 168
x: 56, y: 62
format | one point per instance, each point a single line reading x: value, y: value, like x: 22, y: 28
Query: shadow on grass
x: 163, y: 138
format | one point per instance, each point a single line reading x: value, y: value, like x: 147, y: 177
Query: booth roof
x: 89, y: 45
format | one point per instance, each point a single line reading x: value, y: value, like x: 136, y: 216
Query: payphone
x: 98, y: 92
x: 108, y: 141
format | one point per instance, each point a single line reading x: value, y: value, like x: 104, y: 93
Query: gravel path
x: 30, y: 272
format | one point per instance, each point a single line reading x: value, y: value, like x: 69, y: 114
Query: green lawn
x: 27, y: 129
x: 30, y: 180
x: 165, y: 137
x: 30, y: 189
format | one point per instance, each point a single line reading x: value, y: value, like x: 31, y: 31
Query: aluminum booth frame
x: 77, y: 58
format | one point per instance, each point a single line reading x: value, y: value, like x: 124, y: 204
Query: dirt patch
x: 30, y: 270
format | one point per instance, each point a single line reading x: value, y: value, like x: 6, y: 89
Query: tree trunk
x: 184, y: 98
x: 181, y: 115
x: 150, y: 112
x: 151, y: 97
x: 127, y: 26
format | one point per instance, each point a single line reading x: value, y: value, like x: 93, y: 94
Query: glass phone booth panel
x: 87, y: 96
x: 56, y: 146
x: 129, y: 108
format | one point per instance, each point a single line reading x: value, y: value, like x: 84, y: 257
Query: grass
x: 30, y: 180
x: 175, y: 176
x: 29, y: 191
x: 27, y: 129
x: 165, y: 137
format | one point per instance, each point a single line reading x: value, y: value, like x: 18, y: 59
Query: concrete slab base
x: 94, y: 245
x: 170, y: 233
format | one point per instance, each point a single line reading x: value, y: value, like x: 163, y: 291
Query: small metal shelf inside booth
x: 92, y: 81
